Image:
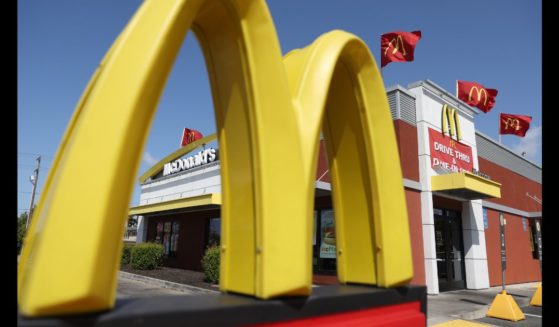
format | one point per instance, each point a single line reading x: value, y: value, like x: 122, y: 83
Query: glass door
x: 450, y: 250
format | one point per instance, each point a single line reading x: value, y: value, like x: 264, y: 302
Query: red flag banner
x: 189, y: 136
x: 514, y: 124
x: 398, y: 46
x: 476, y: 95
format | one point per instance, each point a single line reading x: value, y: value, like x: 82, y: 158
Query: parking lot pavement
x: 129, y: 288
x: 472, y: 305
x: 533, y: 318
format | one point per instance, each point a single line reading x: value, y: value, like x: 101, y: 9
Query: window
x: 166, y: 238
x: 327, y: 235
x: 214, y: 233
x: 174, y: 239
x: 159, y: 235
x: 534, y: 233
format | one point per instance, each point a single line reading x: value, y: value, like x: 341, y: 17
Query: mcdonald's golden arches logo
x: 480, y: 91
x: 514, y: 123
x: 259, y: 97
x: 450, y: 117
x: 397, y: 43
x: 190, y: 137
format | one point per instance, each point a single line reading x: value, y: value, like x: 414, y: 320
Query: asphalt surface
x: 533, y: 318
x: 472, y: 306
x: 456, y: 308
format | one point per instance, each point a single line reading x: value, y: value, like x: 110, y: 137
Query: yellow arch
x: 338, y: 88
x: 80, y: 216
x: 70, y: 258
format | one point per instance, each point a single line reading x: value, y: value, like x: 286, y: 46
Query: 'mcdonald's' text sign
x: 449, y: 154
x: 201, y: 158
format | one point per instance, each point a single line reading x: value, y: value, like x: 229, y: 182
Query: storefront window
x: 166, y: 238
x: 534, y: 225
x: 325, y: 248
x: 327, y: 235
x: 159, y: 235
x: 174, y: 238
x: 214, y: 234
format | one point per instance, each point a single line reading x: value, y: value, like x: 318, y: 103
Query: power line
x: 26, y: 165
x: 35, y: 154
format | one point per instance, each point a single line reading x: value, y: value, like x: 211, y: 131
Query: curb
x: 473, y: 315
x: 165, y: 284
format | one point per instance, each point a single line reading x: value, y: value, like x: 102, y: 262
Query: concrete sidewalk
x: 472, y: 304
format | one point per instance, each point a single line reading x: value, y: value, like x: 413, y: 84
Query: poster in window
x: 166, y: 244
x: 314, y: 228
x: 175, y: 242
x: 167, y: 228
x: 159, y: 234
x: 327, y: 235
x: 167, y: 237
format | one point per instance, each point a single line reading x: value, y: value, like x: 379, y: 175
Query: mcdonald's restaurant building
x: 459, y: 186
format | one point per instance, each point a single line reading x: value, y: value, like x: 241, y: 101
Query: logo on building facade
x: 199, y: 159
x: 449, y: 155
x: 450, y: 117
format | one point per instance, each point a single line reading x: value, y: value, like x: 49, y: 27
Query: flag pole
x: 499, y: 130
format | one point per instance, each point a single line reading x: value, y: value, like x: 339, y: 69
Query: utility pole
x: 34, y: 179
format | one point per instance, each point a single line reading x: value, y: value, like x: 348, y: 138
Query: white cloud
x: 531, y: 144
x: 149, y: 159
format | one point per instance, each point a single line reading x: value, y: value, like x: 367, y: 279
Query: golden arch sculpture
x: 269, y: 113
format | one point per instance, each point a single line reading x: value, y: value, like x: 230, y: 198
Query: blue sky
x: 60, y: 42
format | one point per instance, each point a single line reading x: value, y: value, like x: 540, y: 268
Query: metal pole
x: 500, y: 140
x: 502, y: 222
x: 36, y: 179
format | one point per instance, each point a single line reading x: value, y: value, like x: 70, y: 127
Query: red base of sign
x: 407, y: 314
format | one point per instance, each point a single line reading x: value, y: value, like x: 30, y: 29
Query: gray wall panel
x: 407, y: 109
x: 488, y: 150
x: 392, y: 103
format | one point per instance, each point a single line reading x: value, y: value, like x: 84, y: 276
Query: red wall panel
x: 322, y: 165
x: 446, y: 203
x: 521, y: 266
x: 513, y: 187
x: 406, y: 136
x: 413, y: 200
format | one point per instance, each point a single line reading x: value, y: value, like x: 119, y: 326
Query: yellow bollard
x: 537, y: 298
x: 504, y: 307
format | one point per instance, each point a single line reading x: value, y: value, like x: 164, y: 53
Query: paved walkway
x: 128, y: 288
x: 472, y: 305
x: 131, y: 285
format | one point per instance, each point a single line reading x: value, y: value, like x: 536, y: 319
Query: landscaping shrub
x: 210, y: 264
x: 146, y: 256
x: 126, y: 254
